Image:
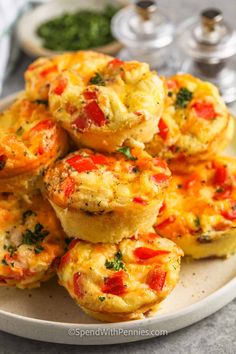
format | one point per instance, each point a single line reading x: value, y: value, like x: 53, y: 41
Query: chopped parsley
x: 28, y: 213
x: 125, y: 150
x: 35, y: 237
x: 117, y: 264
x: 4, y: 262
x: 183, y: 97
x: 101, y: 298
x: 41, y: 102
x: 197, y: 222
x: 97, y: 79
x: 220, y: 190
x: 38, y: 249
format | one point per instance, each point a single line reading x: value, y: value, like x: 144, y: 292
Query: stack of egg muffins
x: 121, y: 163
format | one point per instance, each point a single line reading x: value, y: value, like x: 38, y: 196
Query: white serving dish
x: 49, y: 314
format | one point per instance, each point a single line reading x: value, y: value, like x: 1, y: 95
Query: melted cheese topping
x: 99, y: 183
x: 30, y: 242
x: 199, y: 209
x: 43, y: 71
x: 117, y: 96
x: 123, y: 278
x: 29, y: 138
x: 194, y: 122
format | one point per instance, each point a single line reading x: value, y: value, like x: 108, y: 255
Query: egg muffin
x: 118, y: 103
x: 31, y: 240
x: 199, y: 212
x: 195, y: 124
x: 41, y: 73
x: 104, y: 198
x: 124, y: 281
x: 30, y: 140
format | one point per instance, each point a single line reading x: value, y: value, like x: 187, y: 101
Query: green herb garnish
x: 38, y: 249
x: 45, y: 102
x: 125, y: 150
x: 183, y: 97
x: 11, y: 250
x: 97, y: 79
x: 101, y: 298
x: 197, y: 222
x: 27, y: 214
x: 4, y: 262
x: 117, y: 264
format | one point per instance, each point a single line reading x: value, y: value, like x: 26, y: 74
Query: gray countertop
x: 217, y: 333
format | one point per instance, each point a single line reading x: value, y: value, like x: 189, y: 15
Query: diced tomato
x: 191, y: 181
x: 221, y: 175
x: 90, y: 95
x: 3, y: 160
x: 171, y: 84
x: 61, y: 86
x: 68, y: 186
x: 139, y: 200
x: 64, y: 261
x: 163, y: 129
x: 146, y: 253
x: 223, y: 192
x: 115, y: 284
x: 81, y: 164
x: 99, y: 159
x: 166, y: 222
x: 49, y: 70
x: 205, y: 110
x: 162, y: 208
x: 77, y: 285
x: 95, y: 114
x: 156, y: 279
x: 160, y: 178
x: 159, y: 162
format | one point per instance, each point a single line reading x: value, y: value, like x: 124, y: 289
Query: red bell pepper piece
x: 77, y: 284
x: 95, y: 114
x: 163, y: 129
x: 81, y: 164
x: 47, y: 71
x: 205, y: 110
x: 156, y: 279
x: 166, y: 222
x: 146, y: 253
x: 139, y: 200
x: 115, y: 284
x: 160, y: 178
x: 221, y: 175
x: 68, y: 186
x: 191, y: 181
x: 90, y: 95
x: 60, y: 88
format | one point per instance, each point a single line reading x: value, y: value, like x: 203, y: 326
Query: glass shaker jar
x: 146, y: 35
x: 208, y: 45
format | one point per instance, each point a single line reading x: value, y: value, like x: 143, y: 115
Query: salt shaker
x: 145, y: 33
x: 208, y: 45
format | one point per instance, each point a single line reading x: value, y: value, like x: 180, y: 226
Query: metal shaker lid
x: 207, y: 37
x: 142, y: 25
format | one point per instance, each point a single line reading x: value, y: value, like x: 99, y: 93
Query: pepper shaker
x: 145, y: 33
x: 209, y: 44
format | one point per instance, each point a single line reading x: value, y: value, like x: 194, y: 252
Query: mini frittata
x: 104, y: 198
x: 31, y: 240
x: 121, y: 282
x: 30, y: 140
x: 199, y: 212
x: 195, y: 124
x: 42, y: 72
x: 118, y: 103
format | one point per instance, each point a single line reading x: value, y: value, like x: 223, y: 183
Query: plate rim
x: 191, y: 314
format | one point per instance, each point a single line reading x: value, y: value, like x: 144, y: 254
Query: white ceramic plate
x: 30, y: 21
x: 49, y: 314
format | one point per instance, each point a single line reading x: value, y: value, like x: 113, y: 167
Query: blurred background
x: 164, y: 33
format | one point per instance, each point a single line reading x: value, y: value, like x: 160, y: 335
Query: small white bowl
x: 32, y: 44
